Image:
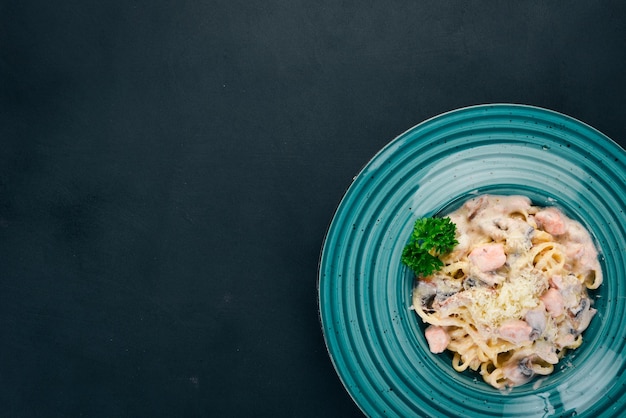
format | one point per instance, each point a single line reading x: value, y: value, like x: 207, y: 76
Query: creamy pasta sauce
x: 512, y: 296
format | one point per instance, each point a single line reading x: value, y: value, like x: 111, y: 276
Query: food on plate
x: 508, y: 297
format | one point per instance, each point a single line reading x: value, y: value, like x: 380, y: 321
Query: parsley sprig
x: 431, y: 238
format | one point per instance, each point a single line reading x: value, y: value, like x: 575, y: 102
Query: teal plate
x: 376, y: 342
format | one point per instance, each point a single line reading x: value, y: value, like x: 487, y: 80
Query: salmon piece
x: 556, y: 281
x: 452, y: 304
x: 551, y: 221
x: 553, y: 301
x: 582, y: 252
x: 518, y: 372
x: 438, y: 339
x: 515, y: 331
x: 488, y: 257
x: 537, y: 320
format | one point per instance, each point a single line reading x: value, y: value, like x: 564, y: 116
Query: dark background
x: 168, y: 170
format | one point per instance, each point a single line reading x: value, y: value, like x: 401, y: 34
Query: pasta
x: 512, y: 296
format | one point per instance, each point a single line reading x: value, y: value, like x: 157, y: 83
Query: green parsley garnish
x: 431, y: 238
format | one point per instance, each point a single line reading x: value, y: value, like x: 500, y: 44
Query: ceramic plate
x: 376, y: 343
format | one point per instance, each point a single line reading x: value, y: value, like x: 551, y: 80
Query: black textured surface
x: 168, y: 170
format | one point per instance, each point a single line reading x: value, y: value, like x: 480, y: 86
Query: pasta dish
x: 511, y: 298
